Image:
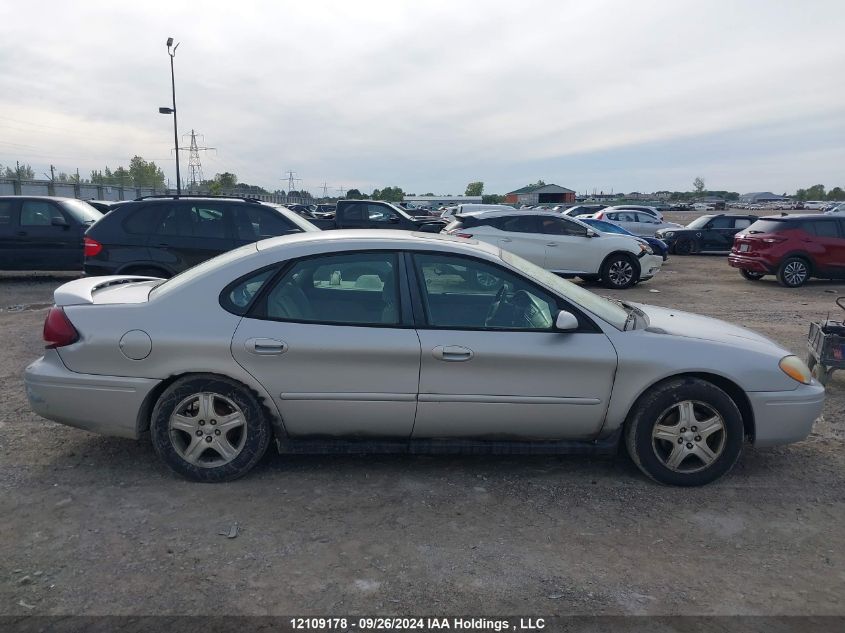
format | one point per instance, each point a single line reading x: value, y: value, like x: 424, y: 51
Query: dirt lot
x: 94, y: 525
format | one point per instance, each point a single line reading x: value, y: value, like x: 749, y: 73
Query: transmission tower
x: 325, y: 190
x: 292, y: 179
x: 194, y: 163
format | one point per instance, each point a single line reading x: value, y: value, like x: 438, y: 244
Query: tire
x: 619, y: 271
x: 230, y: 452
x: 684, y: 246
x: 793, y: 272
x: 750, y: 275
x: 662, y: 411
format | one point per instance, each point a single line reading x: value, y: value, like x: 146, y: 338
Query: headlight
x: 646, y: 248
x: 796, y: 369
x: 668, y: 233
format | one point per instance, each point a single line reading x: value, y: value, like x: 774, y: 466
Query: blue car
x: 658, y: 246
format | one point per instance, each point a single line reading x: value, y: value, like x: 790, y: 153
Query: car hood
x: 686, y: 324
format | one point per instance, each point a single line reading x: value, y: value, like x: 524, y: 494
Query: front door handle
x: 505, y: 239
x: 552, y: 244
x: 452, y: 353
x: 265, y: 346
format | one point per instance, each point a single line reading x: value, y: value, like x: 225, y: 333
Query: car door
x: 567, y: 247
x: 830, y: 245
x: 49, y: 237
x: 492, y: 364
x: 190, y: 232
x: 332, y: 340
x: 520, y: 234
x: 9, y: 239
x: 717, y: 234
x: 626, y: 219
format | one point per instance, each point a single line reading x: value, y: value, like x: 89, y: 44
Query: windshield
x: 612, y: 313
x: 187, y: 276
x: 607, y: 227
x: 699, y: 223
x: 82, y: 211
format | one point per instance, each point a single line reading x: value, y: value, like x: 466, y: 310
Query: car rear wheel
x: 685, y: 432
x: 619, y: 271
x: 750, y: 275
x: 793, y: 272
x: 209, y: 428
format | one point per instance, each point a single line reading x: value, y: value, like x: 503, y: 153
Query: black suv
x: 706, y: 234
x: 160, y: 236
x: 43, y: 233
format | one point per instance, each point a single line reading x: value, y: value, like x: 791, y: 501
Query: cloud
x: 432, y: 95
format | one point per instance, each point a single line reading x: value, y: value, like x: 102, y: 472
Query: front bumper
x: 746, y: 262
x: 782, y: 417
x: 649, y: 266
x: 102, y: 404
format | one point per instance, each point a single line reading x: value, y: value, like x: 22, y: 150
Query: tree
x: 474, y: 188
x: 816, y: 192
x: 539, y: 183
x: 24, y: 172
x: 492, y: 198
x: 227, y: 180
x: 353, y: 194
x: 145, y: 174
x: 698, y: 185
x: 429, y: 194
x: 836, y: 194
x: 389, y: 194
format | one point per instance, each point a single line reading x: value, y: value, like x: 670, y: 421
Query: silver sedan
x: 366, y: 341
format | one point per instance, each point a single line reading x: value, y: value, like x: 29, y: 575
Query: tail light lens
x: 599, y: 215
x: 464, y: 235
x: 58, y: 330
x: 91, y: 247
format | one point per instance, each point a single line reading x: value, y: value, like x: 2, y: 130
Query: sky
x: 431, y: 95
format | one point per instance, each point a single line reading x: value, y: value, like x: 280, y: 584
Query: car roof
x: 795, y: 216
x: 498, y: 214
x: 54, y: 198
x: 358, y: 239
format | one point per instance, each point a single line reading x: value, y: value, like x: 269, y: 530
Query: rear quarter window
x: 141, y: 221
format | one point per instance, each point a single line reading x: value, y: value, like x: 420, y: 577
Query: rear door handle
x: 21, y: 233
x: 265, y: 346
x: 505, y: 239
x: 452, y: 353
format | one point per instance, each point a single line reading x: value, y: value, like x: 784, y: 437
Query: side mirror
x: 566, y: 321
x: 57, y: 221
x: 591, y: 233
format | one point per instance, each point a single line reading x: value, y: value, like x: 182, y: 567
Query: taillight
x: 91, y: 247
x: 58, y: 330
x: 464, y: 235
x: 599, y: 215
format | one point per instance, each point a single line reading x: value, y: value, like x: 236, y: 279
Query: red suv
x: 793, y: 247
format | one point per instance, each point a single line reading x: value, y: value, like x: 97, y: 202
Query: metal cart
x: 826, y: 345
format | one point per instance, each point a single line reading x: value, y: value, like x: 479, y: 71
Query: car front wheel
x: 685, y: 432
x: 684, y: 247
x: 619, y: 271
x: 793, y: 272
x: 209, y: 428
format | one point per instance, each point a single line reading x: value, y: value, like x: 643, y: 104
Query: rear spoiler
x: 82, y: 290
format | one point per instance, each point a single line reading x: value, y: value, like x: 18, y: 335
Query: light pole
x: 172, y: 111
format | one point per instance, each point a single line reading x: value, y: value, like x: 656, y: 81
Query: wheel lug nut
x: 202, y: 422
x: 199, y: 432
x: 217, y: 431
x: 697, y: 438
x: 683, y: 429
x: 215, y: 422
x: 692, y: 428
x: 680, y: 440
x: 208, y: 438
x: 689, y: 444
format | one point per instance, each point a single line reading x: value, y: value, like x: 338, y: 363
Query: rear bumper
x: 102, y: 404
x: 782, y: 417
x: 754, y: 264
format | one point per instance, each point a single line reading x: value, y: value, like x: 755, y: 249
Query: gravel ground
x: 94, y: 525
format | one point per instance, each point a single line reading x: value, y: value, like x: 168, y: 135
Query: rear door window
x: 741, y: 223
x: 519, y: 224
x: 5, y: 213
x: 826, y: 228
x: 202, y: 220
x: 722, y: 223
x: 557, y: 226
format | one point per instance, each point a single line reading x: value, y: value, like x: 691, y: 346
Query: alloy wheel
x: 795, y: 273
x: 620, y: 272
x: 207, y: 430
x: 689, y: 436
